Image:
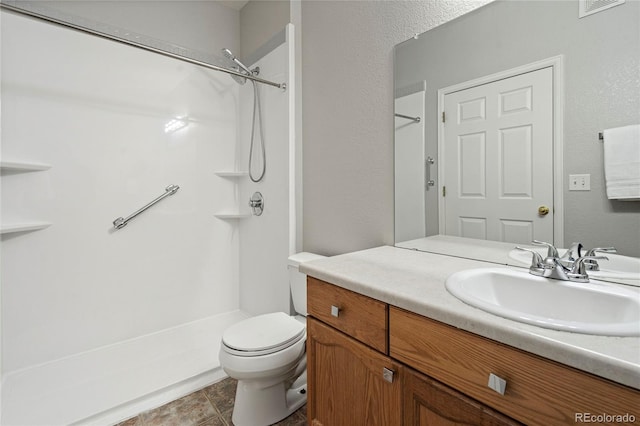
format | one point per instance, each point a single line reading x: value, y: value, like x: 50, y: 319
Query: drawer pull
x: 387, y: 374
x: 335, y: 311
x: 496, y: 383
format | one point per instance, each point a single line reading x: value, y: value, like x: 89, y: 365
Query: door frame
x: 556, y: 63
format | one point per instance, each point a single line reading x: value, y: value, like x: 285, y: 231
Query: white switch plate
x: 579, y: 182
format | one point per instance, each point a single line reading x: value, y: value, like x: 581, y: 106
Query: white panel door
x: 498, y: 159
x: 410, y: 219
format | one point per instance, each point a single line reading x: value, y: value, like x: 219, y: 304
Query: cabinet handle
x: 335, y: 311
x: 387, y: 374
x: 496, y: 383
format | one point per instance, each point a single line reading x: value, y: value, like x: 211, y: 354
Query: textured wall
x: 347, y: 68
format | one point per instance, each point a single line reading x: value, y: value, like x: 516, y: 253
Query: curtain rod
x: 49, y: 19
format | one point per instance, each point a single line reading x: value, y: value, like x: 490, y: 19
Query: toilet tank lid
x: 298, y: 258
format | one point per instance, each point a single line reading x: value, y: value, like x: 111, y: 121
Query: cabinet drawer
x: 346, y: 381
x: 359, y: 316
x: 538, y: 391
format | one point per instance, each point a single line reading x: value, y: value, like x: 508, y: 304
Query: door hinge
x: 443, y: 116
x: 444, y: 191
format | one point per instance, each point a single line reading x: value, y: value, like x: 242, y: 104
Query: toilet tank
x: 298, y: 280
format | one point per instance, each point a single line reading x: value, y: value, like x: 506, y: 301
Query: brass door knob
x: 543, y: 210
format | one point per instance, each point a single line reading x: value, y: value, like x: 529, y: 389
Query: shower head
x: 240, y: 66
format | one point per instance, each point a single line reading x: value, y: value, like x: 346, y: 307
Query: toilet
x: 266, y: 354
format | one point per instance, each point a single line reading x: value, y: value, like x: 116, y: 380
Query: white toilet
x: 266, y: 354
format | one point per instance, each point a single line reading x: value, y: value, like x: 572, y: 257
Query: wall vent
x: 589, y: 7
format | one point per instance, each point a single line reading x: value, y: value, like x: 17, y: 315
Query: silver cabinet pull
x: 335, y: 311
x: 496, y: 383
x: 387, y: 375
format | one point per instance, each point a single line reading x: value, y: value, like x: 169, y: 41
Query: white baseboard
x: 115, y: 382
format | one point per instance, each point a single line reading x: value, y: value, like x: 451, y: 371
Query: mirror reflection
x: 497, y: 129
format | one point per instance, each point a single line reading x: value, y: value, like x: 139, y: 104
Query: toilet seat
x: 263, y: 335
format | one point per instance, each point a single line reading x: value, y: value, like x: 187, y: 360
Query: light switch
x: 580, y: 182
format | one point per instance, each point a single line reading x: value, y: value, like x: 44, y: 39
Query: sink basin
x: 590, y: 308
x: 617, y: 267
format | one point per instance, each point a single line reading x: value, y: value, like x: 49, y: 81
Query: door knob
x: 543, y: 210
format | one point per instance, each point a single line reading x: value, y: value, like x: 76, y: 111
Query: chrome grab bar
x: 416, y: 119
x: 122, y: 222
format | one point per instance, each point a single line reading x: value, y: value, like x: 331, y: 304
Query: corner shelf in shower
x: 23, y: 227
x: 227, y: 216
x: 22, y: 166
x: 232, y: 174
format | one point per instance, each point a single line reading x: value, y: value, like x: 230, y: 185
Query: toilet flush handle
x: 335, y: 311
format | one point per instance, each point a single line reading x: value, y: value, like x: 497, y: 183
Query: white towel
x: 622, y: 162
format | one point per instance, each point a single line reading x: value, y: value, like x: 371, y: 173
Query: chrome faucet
x: 570, y: 256
x: 553, y: 267
x: 551, y: 250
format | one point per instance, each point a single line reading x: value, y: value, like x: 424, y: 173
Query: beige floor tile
x: 222, y: 394
x: 190, y: 410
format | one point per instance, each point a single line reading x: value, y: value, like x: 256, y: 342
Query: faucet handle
x: 579, y: 269
x: 551, y: 250
x: 536, y: 260
x: 593, y: 251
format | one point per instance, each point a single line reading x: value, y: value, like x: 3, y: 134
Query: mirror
x: 595, y: 85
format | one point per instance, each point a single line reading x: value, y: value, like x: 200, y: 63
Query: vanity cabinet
x: 538, y: 391
x: 350, y: 380
x: 370, y: 363
x: 345, y: 381
x: 428, y: 402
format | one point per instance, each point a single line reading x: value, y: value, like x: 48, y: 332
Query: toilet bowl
x: 266, y: 354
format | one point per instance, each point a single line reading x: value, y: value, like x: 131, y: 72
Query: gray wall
x: 602, y: 90
x: 347, y: 83
x: 259, y: 21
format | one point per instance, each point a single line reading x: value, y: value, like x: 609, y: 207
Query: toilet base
x: 262, y: 404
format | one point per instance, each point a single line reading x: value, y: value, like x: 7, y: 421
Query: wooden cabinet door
x: 346, y: 381
x: 429, y: 402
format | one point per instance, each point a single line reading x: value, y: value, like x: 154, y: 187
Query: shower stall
x: 101, y: 321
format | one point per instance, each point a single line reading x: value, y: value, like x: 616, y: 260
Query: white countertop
x: 414, y: 281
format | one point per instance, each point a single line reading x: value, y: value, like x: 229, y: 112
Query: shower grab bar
x: 97, y: 33
x: 122, y: 222
x: 416, y: 119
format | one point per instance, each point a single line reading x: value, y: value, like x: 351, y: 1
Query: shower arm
x: 96, y: 33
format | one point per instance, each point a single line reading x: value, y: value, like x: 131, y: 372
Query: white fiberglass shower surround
x: 97, y: 323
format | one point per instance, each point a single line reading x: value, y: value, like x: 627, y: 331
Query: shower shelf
x: 232, y: 174
x: 23, y: 227
x: 233, y: 215
x: 22, y: 166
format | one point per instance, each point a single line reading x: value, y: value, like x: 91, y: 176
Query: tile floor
x: 211, y: 406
